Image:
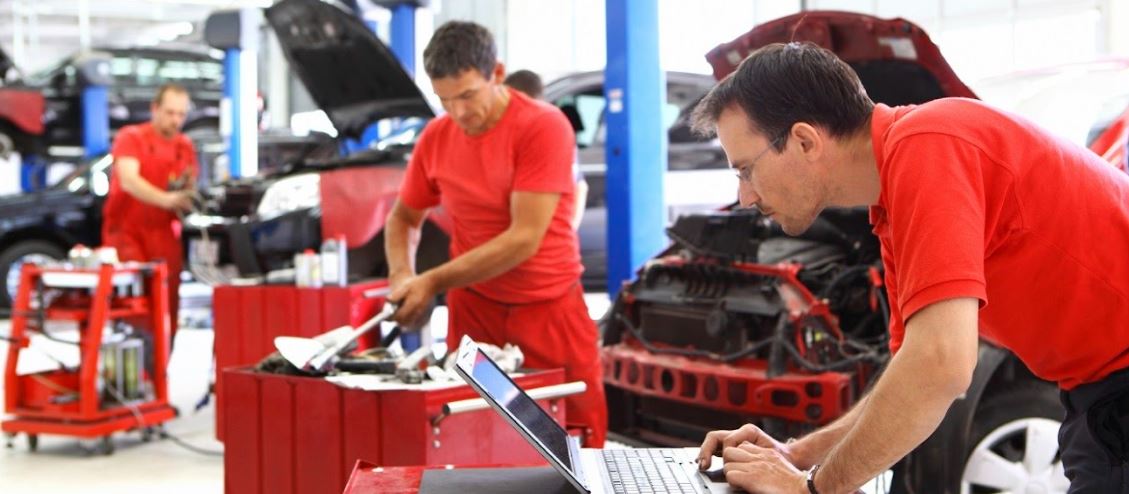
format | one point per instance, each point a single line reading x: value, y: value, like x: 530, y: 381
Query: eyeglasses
x: 745, y: 173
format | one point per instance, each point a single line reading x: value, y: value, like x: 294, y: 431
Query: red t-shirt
x: 530, y: 149
x: 161, y: 162
x: 980, y: 203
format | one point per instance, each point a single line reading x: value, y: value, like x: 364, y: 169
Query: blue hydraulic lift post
x: 635, y: 87
x: 95, y: 121
x: 231, y: 73
x: 236, y: 32
x: 403, y: 35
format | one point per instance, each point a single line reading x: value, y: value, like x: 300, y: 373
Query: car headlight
x: 291, y: 194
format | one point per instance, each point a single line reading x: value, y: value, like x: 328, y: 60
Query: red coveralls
x: 539, y: 304
x: 139, y: 231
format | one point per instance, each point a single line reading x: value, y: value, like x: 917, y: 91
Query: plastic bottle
x: 301, y: 270
x: 334, y: 267
x: 313, y: 261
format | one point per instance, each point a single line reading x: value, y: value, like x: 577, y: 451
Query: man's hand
x: 414, y: 296
x: 177, y: 201
x: 762, y: 471
x: 717, y: 441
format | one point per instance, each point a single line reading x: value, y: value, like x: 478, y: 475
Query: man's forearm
x: 903, y: 410
x: 143, y: 191
x: 400, y: 240
x: 500, y: 254
x: 813, y: 448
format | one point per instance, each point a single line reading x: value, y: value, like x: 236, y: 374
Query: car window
x: 147, y: 72
x: 585, y: 112
x: 121, y: 68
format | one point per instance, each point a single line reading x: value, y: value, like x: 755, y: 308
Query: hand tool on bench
x: 316, y: 354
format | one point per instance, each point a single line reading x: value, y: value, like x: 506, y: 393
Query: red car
x: 739, y: 323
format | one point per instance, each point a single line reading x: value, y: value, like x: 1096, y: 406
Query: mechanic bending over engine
x: 500, y: 165
x: 989, y: 226
x: 154, y: 178
x: 528, y: 82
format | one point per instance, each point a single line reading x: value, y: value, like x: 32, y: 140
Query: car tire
x: 16, y: 255
x: 1014, y: 442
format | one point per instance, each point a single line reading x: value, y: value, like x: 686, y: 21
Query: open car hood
x: 896, y: 61
x: 347, y: 70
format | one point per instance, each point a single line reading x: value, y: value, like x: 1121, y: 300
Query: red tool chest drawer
x: 247, y: 318
x: 299, y: 435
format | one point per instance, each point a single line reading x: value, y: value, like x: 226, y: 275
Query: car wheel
x: 1015, y: 442
x: 33, y: 251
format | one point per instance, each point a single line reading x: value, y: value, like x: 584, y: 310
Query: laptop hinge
x: 577, y: 463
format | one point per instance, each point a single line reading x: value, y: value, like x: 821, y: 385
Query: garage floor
x: 64, y: 465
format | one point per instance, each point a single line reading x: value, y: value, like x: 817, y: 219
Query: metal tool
x: 317, y: 354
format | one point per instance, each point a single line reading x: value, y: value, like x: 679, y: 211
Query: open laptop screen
x: 524, y: 410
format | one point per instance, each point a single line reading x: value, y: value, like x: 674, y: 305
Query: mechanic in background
x: 528, y: 82
x: 989, y: 226
x: 154, y: 178
x: 500, y: 165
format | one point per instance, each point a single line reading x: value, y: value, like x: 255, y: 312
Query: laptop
x: 589, y: 470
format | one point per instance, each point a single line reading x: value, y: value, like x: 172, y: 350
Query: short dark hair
x: 780, y: 84
x: 167, y: 88
x: 458, y: 46
x: 526, y: 81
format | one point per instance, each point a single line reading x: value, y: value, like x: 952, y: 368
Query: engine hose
x: 777, y: 360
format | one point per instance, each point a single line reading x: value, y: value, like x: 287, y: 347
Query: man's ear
x: 499, y: 72
x: 810, y: 139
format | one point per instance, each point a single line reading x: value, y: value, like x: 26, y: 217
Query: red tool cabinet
x: 300, y: 435
x: 247, y: 318
x: 70, y: 401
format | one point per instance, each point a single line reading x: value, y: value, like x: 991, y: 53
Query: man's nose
x: 746, y: 197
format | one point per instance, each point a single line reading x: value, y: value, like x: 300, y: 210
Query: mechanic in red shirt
x: 154, y: 178
x: 500, y: 165
x: 989, y: 226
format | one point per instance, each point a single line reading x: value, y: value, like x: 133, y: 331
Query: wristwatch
x: 811, y: 479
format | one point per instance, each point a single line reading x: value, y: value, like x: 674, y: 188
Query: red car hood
x: 896, y: 61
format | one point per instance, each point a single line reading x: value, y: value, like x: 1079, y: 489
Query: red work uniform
x: 539, y: 304
x: 139, y: 231
x: 981, y: 204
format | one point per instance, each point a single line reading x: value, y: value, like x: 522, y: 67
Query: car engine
x: 739, y: 323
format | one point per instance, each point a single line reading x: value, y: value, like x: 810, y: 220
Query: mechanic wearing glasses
x: 499, y: 163
x: 154, y: 178
x: 989, y: 227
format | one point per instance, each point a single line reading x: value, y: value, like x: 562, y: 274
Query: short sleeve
x: 545, y: 156
x: 935, y: 203
x: 127, y: 143
x: 419, y: 190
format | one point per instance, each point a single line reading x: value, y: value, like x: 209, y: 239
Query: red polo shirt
x: 161, y: 161
x: 984, y: 204
x: 531, y: 150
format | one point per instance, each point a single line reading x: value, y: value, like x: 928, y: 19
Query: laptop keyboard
x: 648, y: 471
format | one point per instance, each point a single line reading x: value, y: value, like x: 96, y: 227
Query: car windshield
x: 406, y: 133
x: 1077, y: 102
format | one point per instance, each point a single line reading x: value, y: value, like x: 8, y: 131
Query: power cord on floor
x: 161, y: 430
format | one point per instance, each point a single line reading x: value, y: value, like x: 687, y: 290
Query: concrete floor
x: 64, y: 465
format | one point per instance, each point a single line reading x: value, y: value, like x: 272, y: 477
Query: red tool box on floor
x: 247, y: 318
x: 300, y: 435
x: 84, y: 402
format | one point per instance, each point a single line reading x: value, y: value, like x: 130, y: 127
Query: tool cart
x: 120, y: 384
